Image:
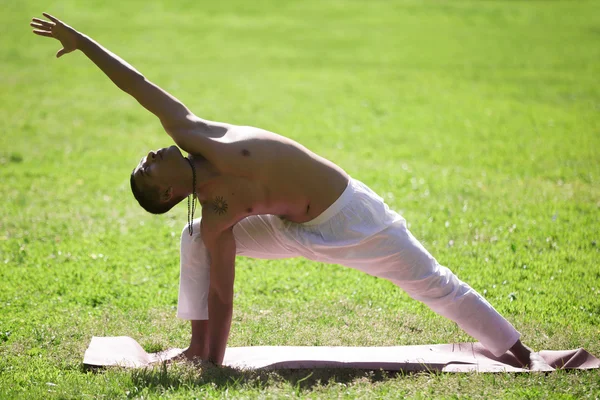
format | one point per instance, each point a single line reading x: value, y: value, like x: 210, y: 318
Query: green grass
x: 478, y: 120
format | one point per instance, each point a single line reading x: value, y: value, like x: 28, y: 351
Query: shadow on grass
x: 226, y: 377
x: 172, y: 377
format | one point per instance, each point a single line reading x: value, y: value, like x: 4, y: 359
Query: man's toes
x: 538, y: 364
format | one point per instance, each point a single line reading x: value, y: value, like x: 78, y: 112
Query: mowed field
x: 479, y: 121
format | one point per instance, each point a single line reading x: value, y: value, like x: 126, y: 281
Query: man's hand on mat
x: 187, y: 356
x: 193, y: 355
x: 57, y: 29
x: 184, y: 356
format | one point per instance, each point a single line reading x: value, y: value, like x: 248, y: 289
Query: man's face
x: 158, y: 168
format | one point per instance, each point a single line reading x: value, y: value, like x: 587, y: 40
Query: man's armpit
x: 212, y: 229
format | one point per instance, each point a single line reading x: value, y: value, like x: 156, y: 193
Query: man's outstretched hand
x: 57, y: 29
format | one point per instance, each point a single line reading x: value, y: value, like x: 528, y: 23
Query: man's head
x: 156, y: 182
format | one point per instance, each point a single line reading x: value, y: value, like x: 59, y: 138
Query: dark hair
x: 149, y: 198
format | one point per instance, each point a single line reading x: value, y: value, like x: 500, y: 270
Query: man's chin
x: 174, y: 150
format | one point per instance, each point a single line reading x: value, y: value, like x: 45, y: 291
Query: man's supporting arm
x: 220, y: 295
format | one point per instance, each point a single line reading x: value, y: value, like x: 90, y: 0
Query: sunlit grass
x: 478, y: 121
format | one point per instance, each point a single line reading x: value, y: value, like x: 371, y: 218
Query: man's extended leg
x: 396, y: 255
x: 359, y: 231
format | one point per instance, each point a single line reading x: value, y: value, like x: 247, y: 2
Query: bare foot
x: 530, y: 359
x: 538, y: 364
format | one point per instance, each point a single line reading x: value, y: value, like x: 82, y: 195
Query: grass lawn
x: 479, y: 121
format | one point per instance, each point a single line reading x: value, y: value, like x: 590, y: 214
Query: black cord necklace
x: 192, y: 199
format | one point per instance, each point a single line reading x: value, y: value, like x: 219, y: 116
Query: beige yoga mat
x: 458, y: 357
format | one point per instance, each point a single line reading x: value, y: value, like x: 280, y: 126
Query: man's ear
x: 166, y: 194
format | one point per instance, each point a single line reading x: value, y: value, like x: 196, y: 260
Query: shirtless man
x: 266, y: 196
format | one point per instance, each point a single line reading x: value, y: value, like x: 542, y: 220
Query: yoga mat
x: 458, y: 357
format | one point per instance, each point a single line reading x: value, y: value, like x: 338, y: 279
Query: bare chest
x: 235, y: 196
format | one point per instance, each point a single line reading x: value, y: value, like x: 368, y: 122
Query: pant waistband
x: 334, y: 208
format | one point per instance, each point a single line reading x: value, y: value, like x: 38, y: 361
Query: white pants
x: 359, y: 231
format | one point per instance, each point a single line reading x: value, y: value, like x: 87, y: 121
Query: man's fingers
x: 61, y: 53
x: 51, y: 18
x: 43, y: 22
x: 39, y: 26
x: 42, y: 33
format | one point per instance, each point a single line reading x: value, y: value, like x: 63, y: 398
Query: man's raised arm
x: 173, y: 114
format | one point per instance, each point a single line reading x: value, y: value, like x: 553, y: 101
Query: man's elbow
x: 221, y: 296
